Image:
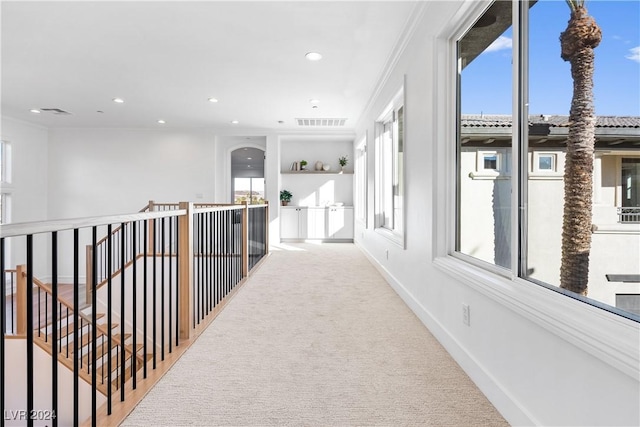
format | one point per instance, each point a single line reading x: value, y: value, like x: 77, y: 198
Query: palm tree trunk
x: 578, y: 41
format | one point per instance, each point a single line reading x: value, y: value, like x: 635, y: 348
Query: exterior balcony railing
x: 629, y: 215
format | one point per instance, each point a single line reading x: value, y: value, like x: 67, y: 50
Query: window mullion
x: 519, y: 141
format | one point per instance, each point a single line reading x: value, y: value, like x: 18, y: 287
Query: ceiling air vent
x: 55, y: 111
x: 321, y: 122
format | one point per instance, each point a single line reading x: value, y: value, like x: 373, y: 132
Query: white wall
x: 28, y: 186
x: 16, y: 387
x: 540, y: 357
x: 104, y: 171
x: 311, y: 189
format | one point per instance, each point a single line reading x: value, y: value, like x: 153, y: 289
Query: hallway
x: 316, y: 337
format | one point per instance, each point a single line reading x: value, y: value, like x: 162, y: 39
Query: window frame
x: 395, y: 232
x: 606, y: 334
x: 361, y: 184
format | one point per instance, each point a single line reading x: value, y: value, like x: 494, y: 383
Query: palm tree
x: 578, y: 42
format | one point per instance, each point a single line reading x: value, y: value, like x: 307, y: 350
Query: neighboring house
x: 485, y: 160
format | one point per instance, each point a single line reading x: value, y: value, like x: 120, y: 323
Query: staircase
x: 115, y: 358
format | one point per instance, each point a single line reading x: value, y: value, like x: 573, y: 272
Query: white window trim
x: 503, y: 167
x: 612, y: 338
x: 395, y: 236
x: 361, y: 175
x: 537, y: 173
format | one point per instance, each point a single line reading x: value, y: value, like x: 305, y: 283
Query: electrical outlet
x: 466, y: 314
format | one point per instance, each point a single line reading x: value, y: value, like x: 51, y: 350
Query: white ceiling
x: 165, y: 59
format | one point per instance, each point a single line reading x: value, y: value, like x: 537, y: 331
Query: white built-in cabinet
x: 331, y: 223
x: 293, y: 222
x: 321, y: 208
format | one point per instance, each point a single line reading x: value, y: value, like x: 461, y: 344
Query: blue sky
x: 487, y: 80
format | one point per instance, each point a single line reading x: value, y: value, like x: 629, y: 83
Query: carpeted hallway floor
x: 316, y: 337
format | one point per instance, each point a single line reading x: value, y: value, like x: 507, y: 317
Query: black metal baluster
x: 162, y: 284
x: 169, y: 304
x: 76, y: 303
x: 134, y: 304
x: 205, y: 261
x: 39, y: 311
x: 30, y: 378
x: 94, y: 322
x: 67, y: 334
x: 144, y: 297
x: 177, y: 282
x: 109, y: 317
x: 123, y: 252
x: 154, y: 297
x: 54, y: 323
x: 212, y: 258
x: 219, y: 258
x: 200, y: 269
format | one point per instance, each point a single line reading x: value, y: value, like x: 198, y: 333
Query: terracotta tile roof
x: 504, y: 121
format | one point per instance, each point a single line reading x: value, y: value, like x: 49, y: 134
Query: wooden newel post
x: 245, y: 239
x: 21, y: 300
x: 185, y: 268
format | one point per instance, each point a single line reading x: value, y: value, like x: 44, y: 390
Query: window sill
x: 618, y: 228
x: 608, y: 336
x: 394, y: 237
x: 554, y: 176
x: 488, y: 175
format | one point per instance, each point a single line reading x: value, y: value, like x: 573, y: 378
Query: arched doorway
x: 247, y: 175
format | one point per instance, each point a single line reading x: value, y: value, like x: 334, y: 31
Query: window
x: 249, y: 190
x: 546, y: 162
x: 511, y: 85
x: 361, y: 180
x: 490, y: 161
x: 389, y: 173
x: 5, y: 181
x: 5, y: 162
x: 484, y: 93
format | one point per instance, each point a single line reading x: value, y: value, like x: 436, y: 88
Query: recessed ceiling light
x: 118, y: 100
x: 161, y: 121
x: 234, y: 122
x: 34, y: 111
x: 313, y: 56
x: 248, y: 158
x: 213, y: 100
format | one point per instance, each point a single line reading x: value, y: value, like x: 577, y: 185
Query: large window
x: 389, y: 172
x: 514, y: 98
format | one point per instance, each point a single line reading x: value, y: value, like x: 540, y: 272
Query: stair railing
x: 199, y: 257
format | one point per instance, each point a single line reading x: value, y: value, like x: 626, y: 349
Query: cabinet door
x: 340, y: 223
x: 289, y: 224
x: 302, y: 223
x: 316, y: 223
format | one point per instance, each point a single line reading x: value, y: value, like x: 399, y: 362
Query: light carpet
x: 316, y: 337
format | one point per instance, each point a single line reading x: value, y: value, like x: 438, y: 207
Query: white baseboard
x: 502, y: 400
